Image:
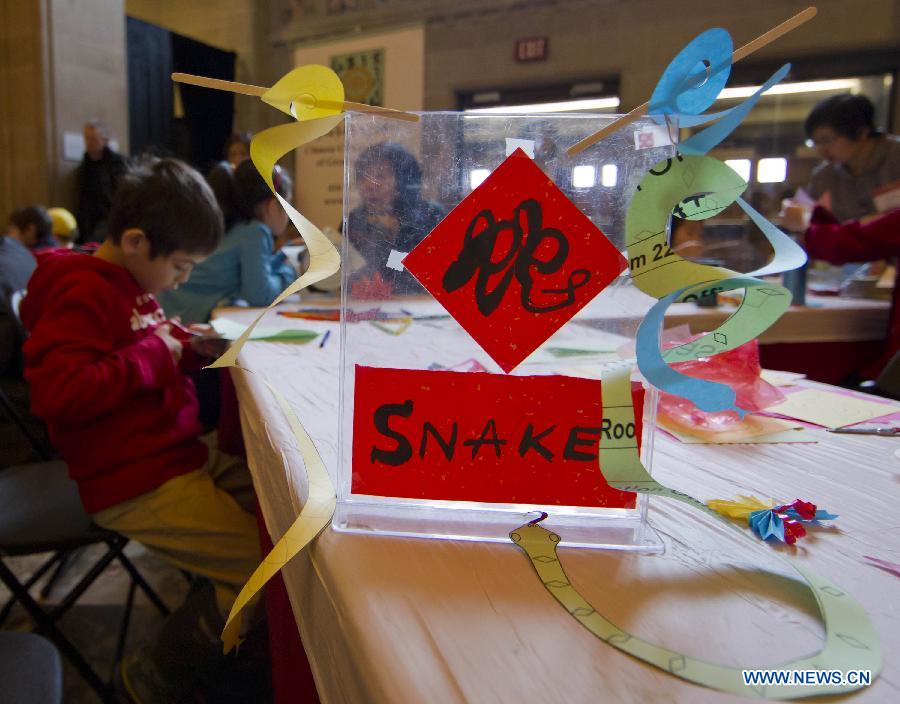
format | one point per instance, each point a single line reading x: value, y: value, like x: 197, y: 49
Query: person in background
x: 221, y: 176
x: 237, y: 148
x: 97, y: 175
x: 547, y: 155
x: 32, y: 227
x: 393, y: 215
x: 16, y: 266
x: 859, y: 241
x: 29, y: 232
x: 857, y: 158
x: 108, y: 377
x: 65, y: 228
x: 247, y: 266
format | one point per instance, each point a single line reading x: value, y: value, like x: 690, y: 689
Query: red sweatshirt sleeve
x: 76, y: 371
x: 191, y: 361
x: 852, y: 241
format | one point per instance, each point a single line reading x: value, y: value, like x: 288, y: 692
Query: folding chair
x: 40, y: 511
x: 30, y: 669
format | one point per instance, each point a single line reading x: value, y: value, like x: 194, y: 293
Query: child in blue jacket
x: 246, y: 266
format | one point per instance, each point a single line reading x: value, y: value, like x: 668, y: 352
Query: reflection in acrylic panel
x: 362, y: 74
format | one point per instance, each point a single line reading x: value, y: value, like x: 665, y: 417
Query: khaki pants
x: 201, y: 522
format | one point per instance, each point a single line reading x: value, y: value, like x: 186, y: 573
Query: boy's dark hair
x: 171, y: 203
x: 846, y: 114
x: 43, y: 226
x: 250, y: 190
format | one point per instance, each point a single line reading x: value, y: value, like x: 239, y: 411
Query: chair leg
x: 123, y: 632
x: 44, y: 624
x: 137, y: 578
x: 45, y: 621
x: 64, y: 565
x: 7, y: 608
x: 83, y: 584
x: 117, y: 544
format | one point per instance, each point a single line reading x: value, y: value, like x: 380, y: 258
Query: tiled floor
x: 93, y: 623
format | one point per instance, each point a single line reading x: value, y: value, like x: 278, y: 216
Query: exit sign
x: 532, y: 49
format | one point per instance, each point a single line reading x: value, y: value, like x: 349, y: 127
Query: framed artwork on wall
x: 362, y: 74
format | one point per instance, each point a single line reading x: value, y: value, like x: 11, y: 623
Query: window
x: 741, y: 166
x: 477, y: 176
x: 772, y: 170
x: 588, y: 96
x: 584, y: 104
x: 584, y: 176
x: 609, y: 175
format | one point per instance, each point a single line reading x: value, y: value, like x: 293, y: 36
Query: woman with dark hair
x: 858, y: 159
x: 392, y: 216
x: 221, y: 176
x: 237, y: 148
x: 246, y: 266
x: 32, y: 227
x: 221, y: 181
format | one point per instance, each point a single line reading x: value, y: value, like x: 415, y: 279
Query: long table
x: 828, y: 339
x: 822, y: 319
x: 386, y: 619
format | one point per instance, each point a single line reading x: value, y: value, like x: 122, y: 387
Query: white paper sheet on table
x: 779, y: 378
x: 830, y: 409
x: 231, y: 330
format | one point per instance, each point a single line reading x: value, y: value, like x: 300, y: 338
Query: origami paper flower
x: 803, y: 509
x: 741, y: 507
x: 767, y: 524
x: 792, y: 531
x: 785, y: 522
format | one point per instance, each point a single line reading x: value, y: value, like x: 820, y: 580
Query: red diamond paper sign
x: 514, y: 261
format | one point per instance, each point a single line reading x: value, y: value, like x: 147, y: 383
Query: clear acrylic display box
x: 454, y: 152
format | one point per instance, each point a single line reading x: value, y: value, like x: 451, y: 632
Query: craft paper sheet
x: 830, y: 409
x: 458, y: 436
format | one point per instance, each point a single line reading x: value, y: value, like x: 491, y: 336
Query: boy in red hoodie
x: 107, y: 376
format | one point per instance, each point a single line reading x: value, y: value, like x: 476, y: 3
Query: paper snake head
x: 532, y: 533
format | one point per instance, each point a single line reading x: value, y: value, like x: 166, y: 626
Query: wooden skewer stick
x: 307, y: 99
x: 758, y: 43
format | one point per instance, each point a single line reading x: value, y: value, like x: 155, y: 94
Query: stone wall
x: 62, y: 63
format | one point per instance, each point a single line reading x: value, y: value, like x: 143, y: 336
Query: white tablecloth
x: 410, y: 620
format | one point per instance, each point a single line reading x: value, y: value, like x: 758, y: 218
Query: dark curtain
x: 153, y: 54
x: 208, y: 114
x: 149, y: 87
